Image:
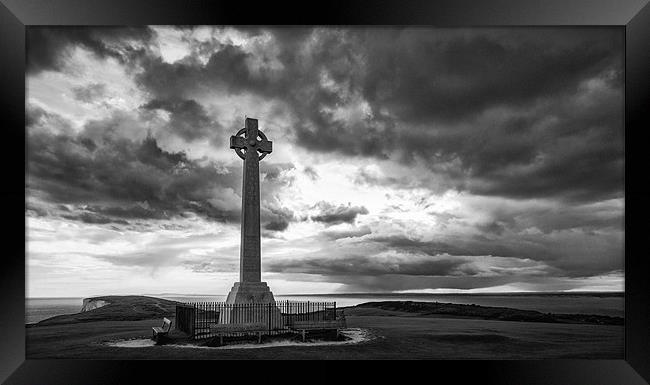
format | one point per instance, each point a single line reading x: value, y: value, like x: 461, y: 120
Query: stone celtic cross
x: 252, y: 146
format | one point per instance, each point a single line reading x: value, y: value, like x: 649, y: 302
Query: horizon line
x: 359, y: 293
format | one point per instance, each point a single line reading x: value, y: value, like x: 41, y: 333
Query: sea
x: 610, y: 304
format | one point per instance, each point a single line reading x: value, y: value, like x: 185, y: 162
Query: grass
x: 488, y: 312
x: 119, y: 308
x: 402, y: 330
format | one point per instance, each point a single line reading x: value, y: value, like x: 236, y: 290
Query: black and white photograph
x: 324, y: 192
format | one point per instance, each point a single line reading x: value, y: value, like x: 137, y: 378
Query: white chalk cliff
x: 92, y: 303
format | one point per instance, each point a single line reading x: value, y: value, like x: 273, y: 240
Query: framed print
x: 445, y: 181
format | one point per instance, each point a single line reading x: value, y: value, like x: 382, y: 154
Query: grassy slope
x: 119, y: 308
x: 481, y: 312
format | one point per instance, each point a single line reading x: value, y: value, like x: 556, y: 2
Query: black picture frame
x: 633, y: 15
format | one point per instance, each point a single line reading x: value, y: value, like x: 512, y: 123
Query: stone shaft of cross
x: 248, y: 147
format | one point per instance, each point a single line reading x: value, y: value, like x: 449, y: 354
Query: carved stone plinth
x: 262, y: 305
x: 250, y: 292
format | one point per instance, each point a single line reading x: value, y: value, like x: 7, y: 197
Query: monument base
x: 257, y: 293
x: 250, y: 292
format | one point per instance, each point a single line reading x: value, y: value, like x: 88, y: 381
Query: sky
x: 404, y: 159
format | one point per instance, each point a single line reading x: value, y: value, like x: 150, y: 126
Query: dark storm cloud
x: 428, y: 95
x: 493, y: 227
x: 36, y: 115
x: 333, y: 215
x: 363, y: 265
x: 467, y: 247
x: 581, y: 158
x: 90, y: 92
x: 398, y: 262
x: 48, y: 48
x: 123, y: 173
x: 188, y: 119
x: 131, y: 211
x: 94, y: 218
x: 353, y: 233
x: 117, y: 178
x: 276, y: 218
x: 32, y: 209
x: 277, y: 225
x: 393, y: 282
x: 428, y: 77
x: 579, y: 155
x: 605, y: 216
x: 227, y: 69
x: 275, y: 172
x: 568, y: 256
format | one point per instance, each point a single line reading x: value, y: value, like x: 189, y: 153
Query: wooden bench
x: 304, y: 326
x: 162, y: 330
x: 252, y: 327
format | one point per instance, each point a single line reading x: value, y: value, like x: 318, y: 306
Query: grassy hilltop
x: 118, y: 308
x: 436, y: 309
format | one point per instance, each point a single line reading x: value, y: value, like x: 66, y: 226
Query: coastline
x: 600, y: 303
